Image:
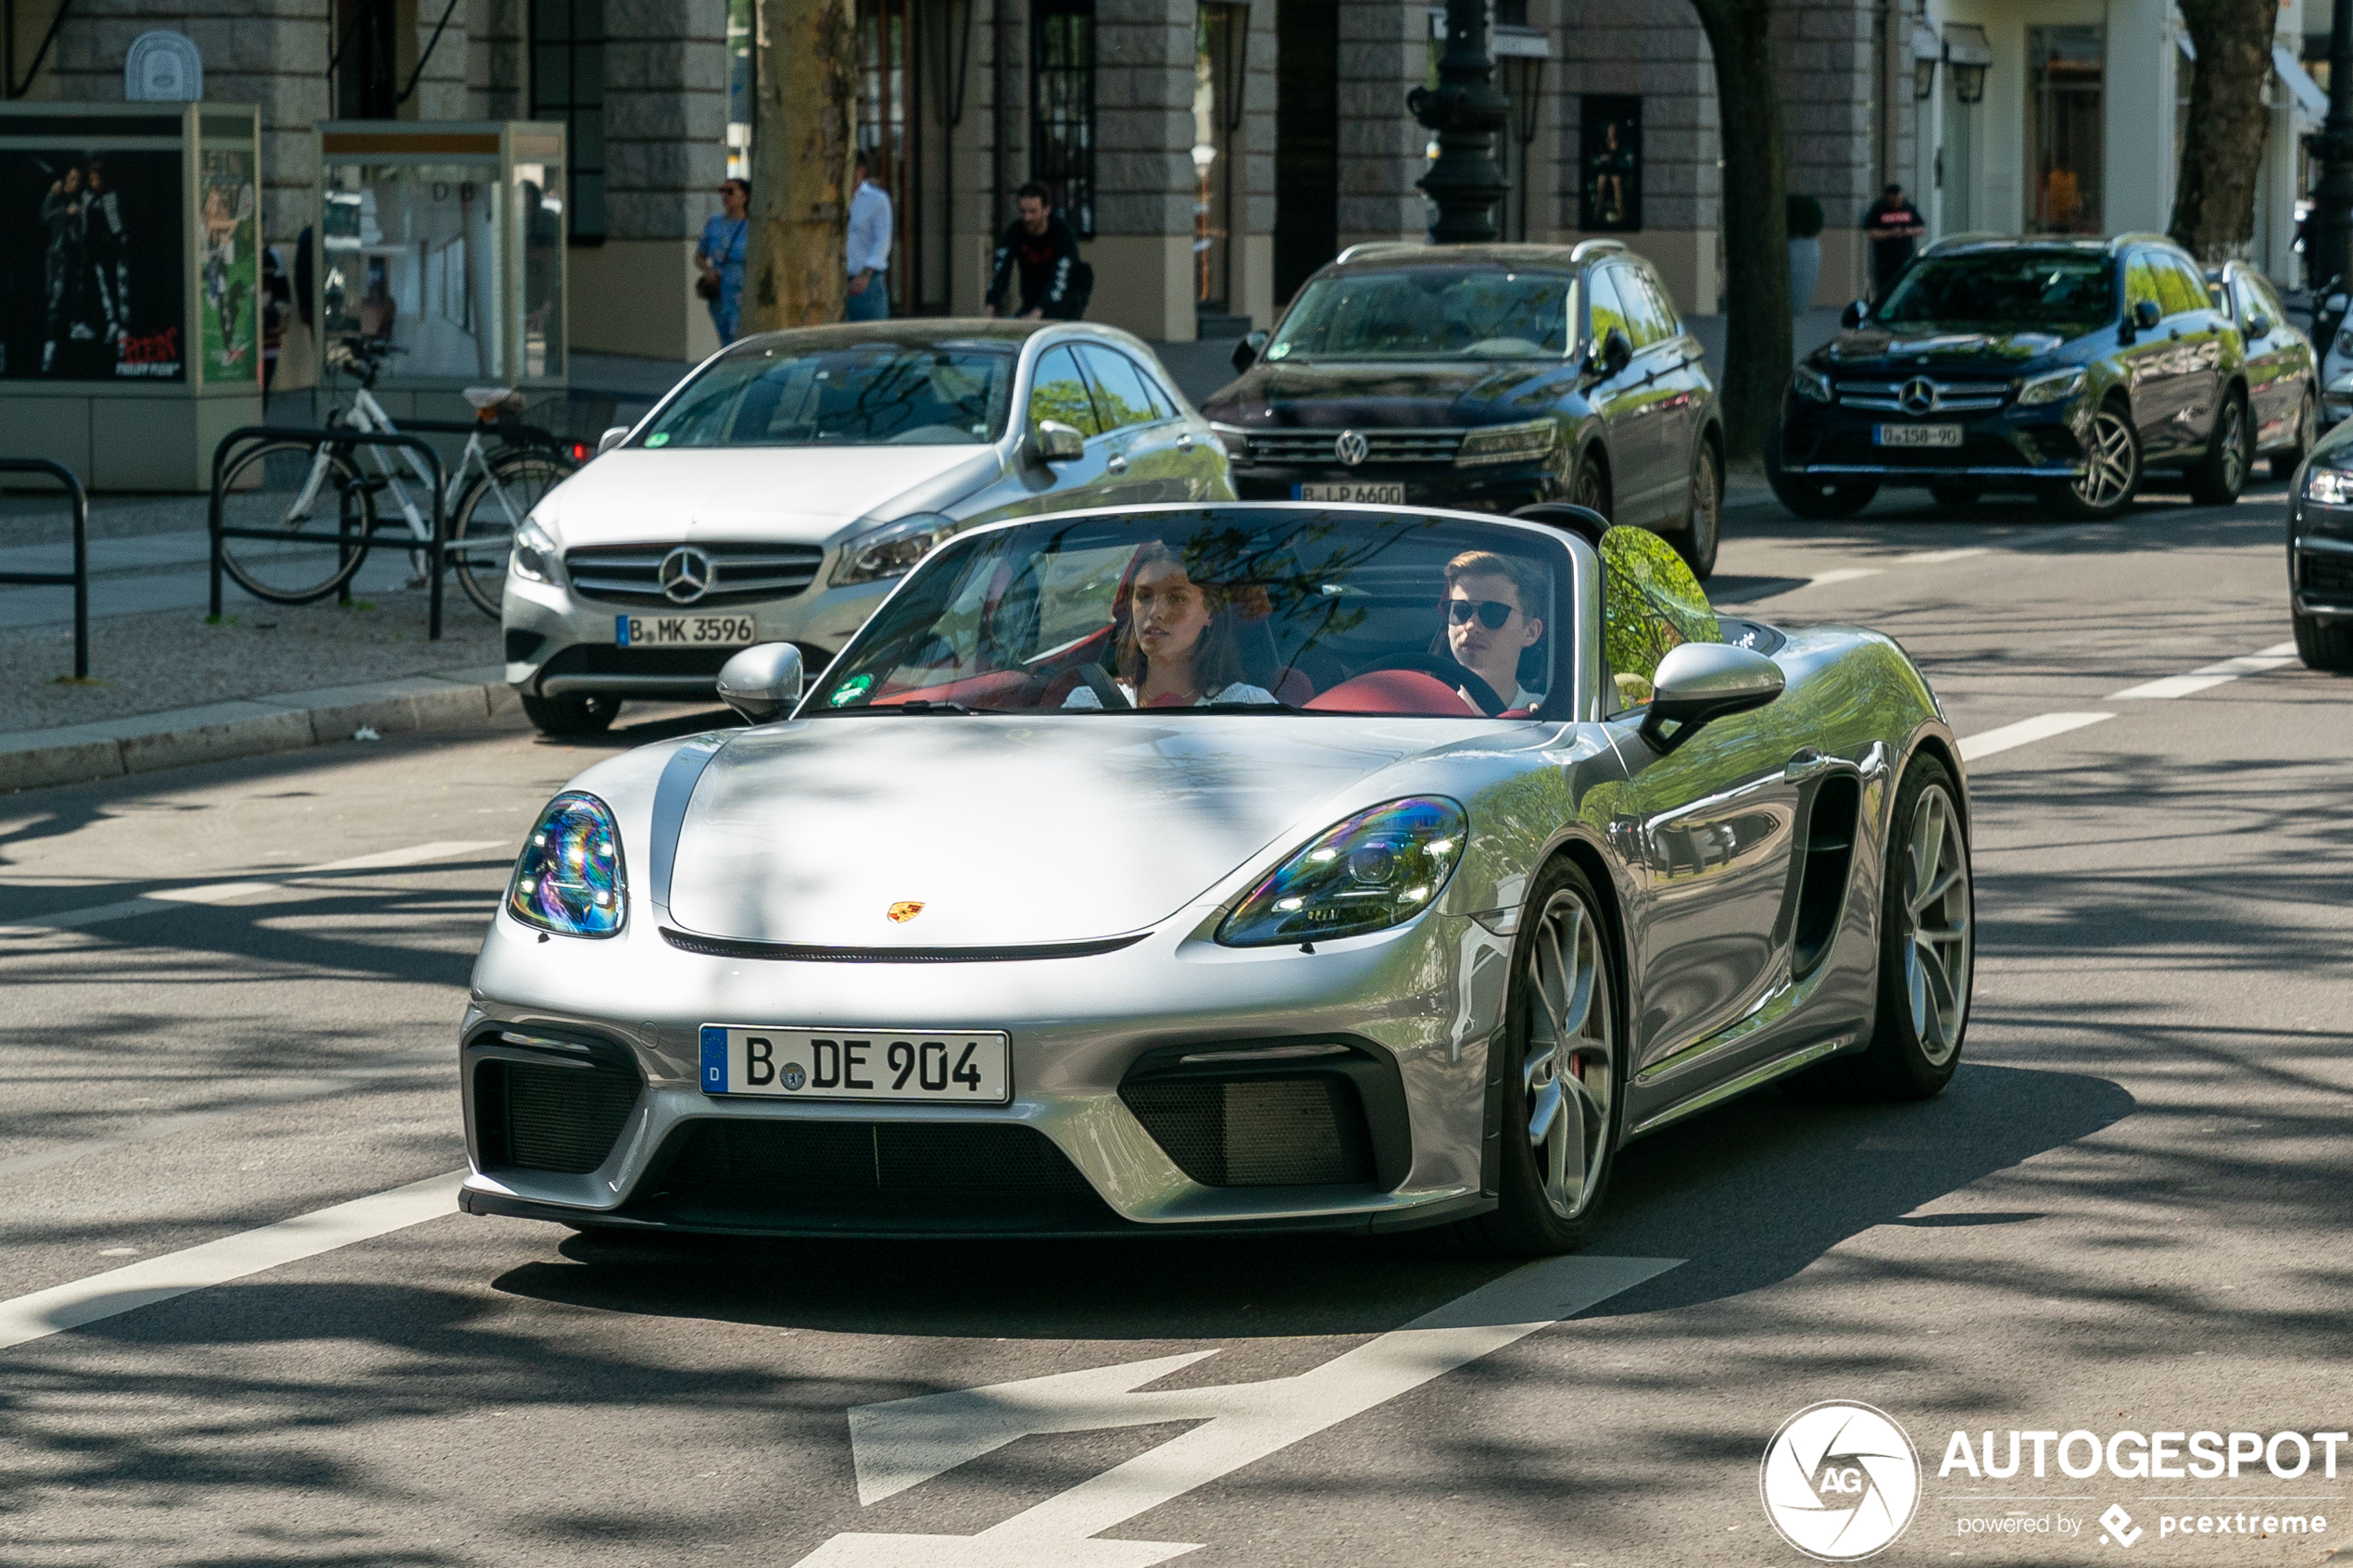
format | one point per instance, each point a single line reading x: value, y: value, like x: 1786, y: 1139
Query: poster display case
x: 130, y: 287
x: 446, y: 241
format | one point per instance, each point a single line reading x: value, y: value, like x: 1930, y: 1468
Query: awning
x: 1966, y: 45
x: 2302, y: 88
x: 1926, y: 45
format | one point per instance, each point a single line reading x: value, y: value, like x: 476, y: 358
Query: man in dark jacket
x: 1039, y: 253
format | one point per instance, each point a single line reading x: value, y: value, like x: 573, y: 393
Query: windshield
x: 860, y: 394
x: 1429, y: 313
x: 2007, y: 290
x: 1230, y: 609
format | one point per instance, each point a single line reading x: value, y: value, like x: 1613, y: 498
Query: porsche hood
x: 1004, y: 831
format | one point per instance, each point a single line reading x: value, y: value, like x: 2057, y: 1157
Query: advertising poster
x: 1610, y: 192
x: 229, y: 300
x: 96, y: 294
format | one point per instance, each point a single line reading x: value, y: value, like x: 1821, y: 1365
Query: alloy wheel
x: 1707, y: 505
x: 1936, y: 909
x: 1567, y: 1069
x: 1586, y: 491
x: 2107, y: 474
x: 2234, y: 445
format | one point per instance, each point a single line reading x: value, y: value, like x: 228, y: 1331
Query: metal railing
x: 393, y: 531
x: 79, y: 577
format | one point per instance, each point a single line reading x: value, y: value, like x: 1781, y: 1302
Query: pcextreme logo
x: 1840, y: 1481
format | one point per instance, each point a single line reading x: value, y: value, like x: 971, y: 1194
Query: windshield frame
x: 1572, y: 332
x: 2111, y: 266
x: 1015, y: 353
x: 1573, y: 696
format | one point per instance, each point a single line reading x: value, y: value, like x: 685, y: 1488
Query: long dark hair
x: 1218, y: 659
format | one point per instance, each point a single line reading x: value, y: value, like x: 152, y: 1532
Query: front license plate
x: 681, y: 631
x: 1366, y: 494
x: 945, y: 1068
x: 1916, y: 436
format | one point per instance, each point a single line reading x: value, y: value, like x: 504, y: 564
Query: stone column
x: 1254, y: 215
x: 498, y: 83
x: 1384, y: 54
x: 1143, y: 250
x: 1827, y: 69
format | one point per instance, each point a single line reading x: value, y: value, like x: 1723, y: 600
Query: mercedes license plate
x: 941, y: 1066
x: 1916, y: 436
x: 681, y: 631
x: 1366, y: 495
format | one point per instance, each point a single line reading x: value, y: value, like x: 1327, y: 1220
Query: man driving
x: 1489, y: 624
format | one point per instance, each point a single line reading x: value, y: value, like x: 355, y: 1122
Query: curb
x: 288, y: 722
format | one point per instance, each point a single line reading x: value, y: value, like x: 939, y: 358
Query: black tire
x: 1817, y: 500
x: 2112, y: 472
x: 519, y: 479
x: 1927, y: 957
x: 2218, y: 477
x: 565, y: 717
x: 1538, y: 1214
x: 1589, y: 486
x: 1955, y: 495
x: 1703, y: 528
x: 2322, y: 644
x: 2308, y: 431
x: 320, y: 545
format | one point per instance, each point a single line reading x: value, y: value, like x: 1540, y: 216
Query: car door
x: 2152, y: 369
x: 2197, y: 335
x: 2274, y: 384
x: 1679, y: 383
x: 1621, y: 401
x: 1208, y: 475
x: 1059, y: 392
x: 1145, y: 463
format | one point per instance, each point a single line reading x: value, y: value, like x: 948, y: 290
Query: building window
x: 740, y: 94
x: 2064, y: 141
x: 1062, y: 97
x: 568, y: 84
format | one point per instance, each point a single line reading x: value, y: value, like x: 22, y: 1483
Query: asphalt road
x: 2130, y: 1211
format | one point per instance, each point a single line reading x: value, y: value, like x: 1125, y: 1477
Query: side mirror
x: 613, y: 437
x: 1247, y: 351
x: 1057, y: 443
x: 1852, y: 317
x: 2148, y: 313
x: 1700, y: 682
x: 762, y: 682
x: 1616, y: 349
x: 2258, y: 325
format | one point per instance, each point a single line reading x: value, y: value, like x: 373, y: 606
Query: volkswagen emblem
x: 1918, y: 395
x: 686, y: 574
x: 1351, y: 448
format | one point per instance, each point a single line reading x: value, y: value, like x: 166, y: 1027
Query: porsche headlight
x: 1377, y: 869
x: 1811, y: 384
x: 892, y: 551
x: 2056, y: 387
x: 569, y: 879
x: 535, y: 554
x: 2330, y: 487
x: 1520, y: 443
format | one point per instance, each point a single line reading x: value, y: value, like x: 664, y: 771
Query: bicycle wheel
x: 313, y: 535
x: 492, y: 509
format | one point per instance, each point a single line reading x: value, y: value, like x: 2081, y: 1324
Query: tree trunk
x: 801, y: 164
x: 1757, y: 305
x: 2223, y: 154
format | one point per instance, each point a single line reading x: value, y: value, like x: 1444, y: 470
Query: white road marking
x: 902, y: 1442
x: 2025, y: 732
x: 1933, y: 557
x: 1843, y: 574
x: 221, y: 892
x: 2272, y: 658
x: 233, y: 1257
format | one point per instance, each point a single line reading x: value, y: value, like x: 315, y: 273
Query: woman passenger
x: 1176, y: 648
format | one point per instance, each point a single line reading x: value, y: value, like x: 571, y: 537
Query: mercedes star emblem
x: 1918, y: 395
x: 1351, y: 448
x: 686, y: 574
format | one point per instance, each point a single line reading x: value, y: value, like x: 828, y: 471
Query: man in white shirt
x: 1489, y: 624
x: 869, y: 250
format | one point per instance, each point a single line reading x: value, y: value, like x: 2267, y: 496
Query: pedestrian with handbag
x: 726, y: 244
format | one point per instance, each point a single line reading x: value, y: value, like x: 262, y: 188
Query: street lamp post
x: 2325, y: 256
x: 1466, y: 111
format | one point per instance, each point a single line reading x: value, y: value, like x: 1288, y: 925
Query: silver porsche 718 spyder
x: 1230, y: 867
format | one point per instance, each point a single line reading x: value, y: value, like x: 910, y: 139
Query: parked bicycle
x: 322, y: 508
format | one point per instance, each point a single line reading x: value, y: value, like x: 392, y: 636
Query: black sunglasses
x: 1491, y: 613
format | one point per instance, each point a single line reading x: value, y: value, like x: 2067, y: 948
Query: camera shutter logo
x: 1840, y: 1481
x: 1351, y: 448
x: 686, y: 574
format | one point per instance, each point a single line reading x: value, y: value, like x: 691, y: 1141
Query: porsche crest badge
x: 905, y: 910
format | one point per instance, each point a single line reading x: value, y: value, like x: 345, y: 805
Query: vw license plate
x: 1364, y: 495
x: 681, y: 631
x: 966, y: 1067
x: 1916, y: 436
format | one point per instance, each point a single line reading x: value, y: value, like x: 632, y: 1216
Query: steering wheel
x: 1105, y: 689
x: 1452, y: 673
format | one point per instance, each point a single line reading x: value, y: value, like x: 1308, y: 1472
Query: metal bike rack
x: 79, y: 577
x: 436, y: 548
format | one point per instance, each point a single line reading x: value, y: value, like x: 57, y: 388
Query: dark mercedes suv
x: 2066, y: 367
x: 1488, y: 377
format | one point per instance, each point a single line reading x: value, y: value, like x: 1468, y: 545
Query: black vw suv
x: 2066, y: 367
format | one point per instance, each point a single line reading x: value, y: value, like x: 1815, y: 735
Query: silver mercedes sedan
x: 778, y: 492
x: 1226, y: 868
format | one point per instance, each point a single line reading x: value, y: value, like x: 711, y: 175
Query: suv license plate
x: 681, y: 631
x: 1916, y: 436
x: 942, y: 1066
x: 1366, y: 494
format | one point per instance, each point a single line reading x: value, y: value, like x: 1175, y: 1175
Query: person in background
x: 726, y: 244
x: 1892, y: 223
x: 1039, y: 253
x: 869, y: 298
